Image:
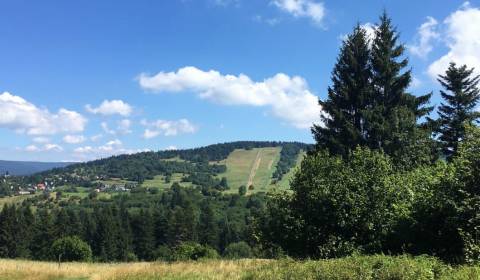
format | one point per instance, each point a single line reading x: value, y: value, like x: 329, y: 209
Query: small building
x: 41, y: 186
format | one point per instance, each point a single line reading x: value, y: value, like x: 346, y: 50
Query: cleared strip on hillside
x: 255, y: 166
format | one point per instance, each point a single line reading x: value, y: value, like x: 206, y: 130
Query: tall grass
x: 364, y: 267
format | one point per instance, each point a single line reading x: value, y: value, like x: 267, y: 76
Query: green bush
x: 364, y: 267
x: 339, y: 207
x: 193, y: 251
x: 162, y: 253
x: 71, y: 248
x: 239, y: 250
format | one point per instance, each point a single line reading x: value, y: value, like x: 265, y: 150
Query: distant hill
x: 258, y: 165
x: 28, y: 167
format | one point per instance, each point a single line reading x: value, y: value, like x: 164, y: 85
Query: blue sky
x: 86, y: 79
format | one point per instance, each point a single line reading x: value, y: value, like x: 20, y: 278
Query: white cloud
x: 167, y: 128
x: 113, y: 147
x: 171, y: 148
x: 47, y: 147
x: 313, y: 10
x: 41, y: 139
x: 123, y: 127
x: 24, y: 117
x: 74, y: 139
x: 111, y: 107
x: 370, y: 29
x: 427, y: 33
x: 96, y: 137
x: 288, y: 97
x: 462, y: 38
x: 31, y: 148
x: 53, y: 147
x: 105, y: 128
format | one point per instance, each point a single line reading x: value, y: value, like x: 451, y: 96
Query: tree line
x: 180, y: 223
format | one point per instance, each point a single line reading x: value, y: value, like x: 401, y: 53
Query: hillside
x: 28, y: 167
x: 221, y: 167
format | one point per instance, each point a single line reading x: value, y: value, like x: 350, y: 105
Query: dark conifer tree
x: 460, y: 96
x: 143, y: 228
x: 8, y: 246
x: 161, y: 227
x: 392, y: 121
x: 43, y: 235
x: 208, y: 226
x: 105, y: 241
x: 343, y: 112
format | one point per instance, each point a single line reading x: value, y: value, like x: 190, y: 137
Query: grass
x: 351, y: 268
x: 14, y: 199
x: 159, y: 182
x: 255, y: 166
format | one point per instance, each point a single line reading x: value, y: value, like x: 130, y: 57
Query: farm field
x: 351, y: 268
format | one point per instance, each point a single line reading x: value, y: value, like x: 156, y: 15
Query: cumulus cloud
x: 167, y: 128
x: 123, y: 127
x: 111, y: 107
x: 41, y: 139
x: 24, y: 117
x: 113, y: 147
x: 313, y: 10
x: 462, y: 38
x: 289, y: 98
x: 74, y: 139
x: 427, y: 33
x: 47, y: 147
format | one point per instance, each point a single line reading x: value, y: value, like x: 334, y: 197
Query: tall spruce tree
x: 392, y: 121
x: 348, y: 97
x: 461, y: 96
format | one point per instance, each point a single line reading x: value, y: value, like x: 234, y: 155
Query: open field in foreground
x: 374, y: 267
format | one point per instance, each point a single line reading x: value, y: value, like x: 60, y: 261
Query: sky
x: 81, y: 80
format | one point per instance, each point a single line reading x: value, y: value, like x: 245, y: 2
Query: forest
x: 389, y: 174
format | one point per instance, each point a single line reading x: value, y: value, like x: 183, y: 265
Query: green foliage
x: 193, y: 251
x: 71, y: 248
x: 238, y: 250
x: 242, y: 190
x: 376, y: 267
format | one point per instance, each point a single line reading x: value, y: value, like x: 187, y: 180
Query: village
x: 20, y: 185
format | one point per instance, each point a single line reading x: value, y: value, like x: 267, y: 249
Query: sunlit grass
x: 351, y: 268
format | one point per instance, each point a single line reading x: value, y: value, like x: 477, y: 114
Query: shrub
x: 242, y: 190
x: 193, y: 251
x: 239, y: 250
x: 71, y: 248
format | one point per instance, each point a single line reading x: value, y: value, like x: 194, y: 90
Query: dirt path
x: 254, y: 169
x: 270, y: 164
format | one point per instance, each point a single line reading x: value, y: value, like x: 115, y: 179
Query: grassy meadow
x: 351, y: 268
x: 254, y: 166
